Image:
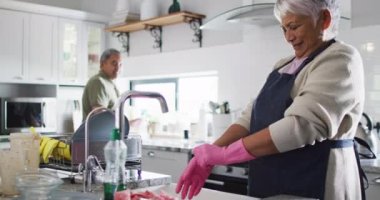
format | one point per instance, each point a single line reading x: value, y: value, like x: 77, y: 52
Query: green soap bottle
x: 115, y: 152
x: 174, y: 7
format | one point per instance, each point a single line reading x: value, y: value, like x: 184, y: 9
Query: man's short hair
x: 108, y: 53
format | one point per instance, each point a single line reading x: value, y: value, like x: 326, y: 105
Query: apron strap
x: 363, y: 178
x: 340, y: 143
x: 363, y: 143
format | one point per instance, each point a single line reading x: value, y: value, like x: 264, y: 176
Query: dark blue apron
x: 300, y: 172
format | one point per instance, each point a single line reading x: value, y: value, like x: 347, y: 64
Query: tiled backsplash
x: 367, y: 41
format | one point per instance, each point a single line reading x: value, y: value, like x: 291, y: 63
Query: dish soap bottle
x: 115, y: 154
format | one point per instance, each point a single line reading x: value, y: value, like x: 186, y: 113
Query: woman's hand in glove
x: 192, y: 179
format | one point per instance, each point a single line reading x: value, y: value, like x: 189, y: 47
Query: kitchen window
x: 183, y: 94
x: 166, y: 87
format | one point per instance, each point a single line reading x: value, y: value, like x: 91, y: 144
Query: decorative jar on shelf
x: 175, y: 7
x: 149, y: 9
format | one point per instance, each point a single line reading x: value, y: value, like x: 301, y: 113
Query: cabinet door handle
x: 17, y: 77
x: 40, y: 79
x: 214, y: 182
x: 151, y: 153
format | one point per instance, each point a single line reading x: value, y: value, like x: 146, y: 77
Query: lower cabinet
x: 373, y: 191
x: 165, y: 162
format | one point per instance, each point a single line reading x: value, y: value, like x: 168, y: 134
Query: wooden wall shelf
x: 174, y: 18
x: 154, y: 25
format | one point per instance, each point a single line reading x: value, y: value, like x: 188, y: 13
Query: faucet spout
x: 89, y: 170
x: 135, y: 94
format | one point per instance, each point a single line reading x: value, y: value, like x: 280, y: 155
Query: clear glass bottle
x: 115, y: 154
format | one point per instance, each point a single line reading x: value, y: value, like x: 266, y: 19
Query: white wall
x: 243, y: 66
x: 367, y: 41
x: 103, y: 7
x: 242, y: 60
x: 58, y: 3
x: 365, y: 12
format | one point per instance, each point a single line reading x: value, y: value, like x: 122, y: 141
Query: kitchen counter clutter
x: 170, y: 155
x: 185, y: 146
x: 70, y: 191
x: 147, y: 180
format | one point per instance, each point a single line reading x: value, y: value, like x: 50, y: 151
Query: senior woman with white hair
x: 298, y: 133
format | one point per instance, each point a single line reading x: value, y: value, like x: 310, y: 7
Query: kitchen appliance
x: 366, y: 138
x: 229, y: 178
x: 19, y: 114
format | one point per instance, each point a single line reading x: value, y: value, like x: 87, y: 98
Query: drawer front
x: 170, y: 163
x: 373, y: 191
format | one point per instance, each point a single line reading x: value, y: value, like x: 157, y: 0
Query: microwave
x: 19, y: 114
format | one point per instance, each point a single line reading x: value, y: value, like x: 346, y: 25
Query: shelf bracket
x: 195, y: 24
x: 123, y: 38
x: 156, y: 32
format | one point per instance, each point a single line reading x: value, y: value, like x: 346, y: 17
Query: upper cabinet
x: 28, y: 47
x: 40, y: 45
x: 94, y: 46
x: 13, y: 46
x: 81, y: 45
x: 43, y: 46
x: 70, y: 66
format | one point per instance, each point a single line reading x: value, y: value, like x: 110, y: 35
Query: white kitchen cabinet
x: 71, y: 70
x: 28, y: 47
x: 41, y: 44
x: 373, y: 191
x: 165, y: 162
x: 81, y: 45
x: 94, y: 45
x: 43, y: 49
x: 13, y: 46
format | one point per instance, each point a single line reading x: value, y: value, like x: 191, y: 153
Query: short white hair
x: 313, y: 9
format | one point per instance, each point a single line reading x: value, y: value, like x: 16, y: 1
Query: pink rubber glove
x: 192, y: 179
x: 210, y: 155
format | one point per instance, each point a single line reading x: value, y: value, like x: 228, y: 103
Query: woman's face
x: 301, y: 32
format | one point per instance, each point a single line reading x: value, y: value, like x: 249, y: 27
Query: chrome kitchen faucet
x: 92, y: 167
x: 119, y: 116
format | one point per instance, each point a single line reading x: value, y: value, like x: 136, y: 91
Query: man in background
x: 100, y: 90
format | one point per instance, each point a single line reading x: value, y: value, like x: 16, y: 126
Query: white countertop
x: 207, y: 194
x: 171, y: 143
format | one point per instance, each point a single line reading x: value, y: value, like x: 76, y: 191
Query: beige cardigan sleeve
x: 328, y: 99
x: 244, y: 119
